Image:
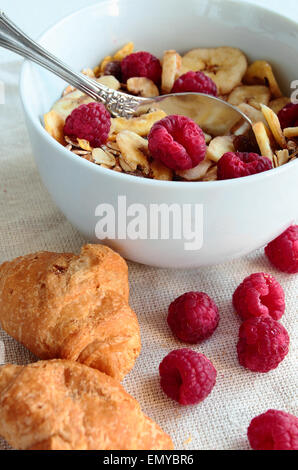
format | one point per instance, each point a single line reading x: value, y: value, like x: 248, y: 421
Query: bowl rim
x: 35, y: 121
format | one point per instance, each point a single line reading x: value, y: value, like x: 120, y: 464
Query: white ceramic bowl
x: 239, y: 215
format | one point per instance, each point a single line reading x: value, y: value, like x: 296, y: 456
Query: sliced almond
x: 124, y: 166
x: 196, y: 173
x: 142, y: 86
x: 274, y: 125
x: 290, y: 132
x: 141, y: 125
x: 85, y: 145
x: 134, y: 151
x: 263, y: 140
x: 170, y: 67
x: 102, y: 158
x: 54, y: 125
x: 219, y: 146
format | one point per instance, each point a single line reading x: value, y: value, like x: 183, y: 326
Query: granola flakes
x: 252, y: 88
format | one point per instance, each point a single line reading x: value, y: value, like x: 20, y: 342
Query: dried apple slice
x: 253, y: 95
x: 260, y: 72
x: 226, y: 66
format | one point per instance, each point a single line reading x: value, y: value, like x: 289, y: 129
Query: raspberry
x: 259, y: 294
x: 288, y: 116
x: 273, y: 430
x: 178, y: 142
x: 193, y: 317
x: 141, y: 64
x: 114, y: 68
x: 239, y: 164
x: 187, y: 376
x: 263, y: 344
x: 283, y: 251
x: 91, y: 122
x: 196, y: 82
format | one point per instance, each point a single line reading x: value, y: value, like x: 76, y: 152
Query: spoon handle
x: 14, y: 39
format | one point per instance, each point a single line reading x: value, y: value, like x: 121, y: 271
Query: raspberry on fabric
x: 273, y: 430
x: 288, y: 116
x: 263, y: 344
x: 91, y: 122
x: 283, y: 251
x: 196, y: 82
x: 239, y: 164
x: 187, y: 376
x: 193, y: 317
x: 258, y: 295
x: 178, y: 142
x: 141, y: 64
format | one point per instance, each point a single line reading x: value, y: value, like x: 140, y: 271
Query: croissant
x: 64, y: 306
x: 64, y: 405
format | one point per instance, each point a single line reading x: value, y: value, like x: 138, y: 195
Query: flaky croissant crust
x: 61, y: 305
x: 64, y: 405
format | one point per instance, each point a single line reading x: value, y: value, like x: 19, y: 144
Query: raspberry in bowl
x: 240, y: 214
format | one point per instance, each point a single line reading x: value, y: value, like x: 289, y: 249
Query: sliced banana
x: 254, y: 95
x: 65, y: 105
x: 226, y: 66
x: 219, y: 146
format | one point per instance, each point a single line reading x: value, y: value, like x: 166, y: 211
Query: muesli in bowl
x: 174, y: 148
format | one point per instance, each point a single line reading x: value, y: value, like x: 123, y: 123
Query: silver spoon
x: 214, y: 115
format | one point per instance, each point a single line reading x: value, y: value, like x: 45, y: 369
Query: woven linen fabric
x: 30, y: 222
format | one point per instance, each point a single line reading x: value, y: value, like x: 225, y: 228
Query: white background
x: 34, y: 16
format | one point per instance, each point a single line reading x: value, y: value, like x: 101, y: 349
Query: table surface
x: 29, y: 222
